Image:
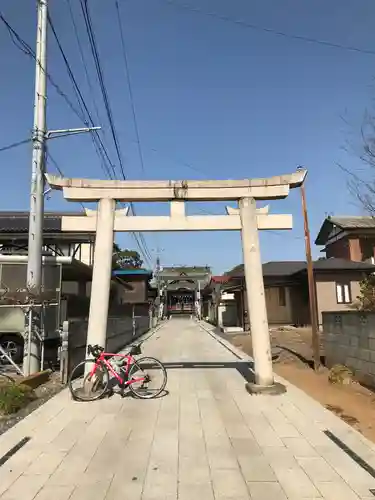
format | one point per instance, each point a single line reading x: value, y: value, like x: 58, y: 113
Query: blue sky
x: 213, y: 99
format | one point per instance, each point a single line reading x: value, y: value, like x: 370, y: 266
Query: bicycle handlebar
x: 95, y: 350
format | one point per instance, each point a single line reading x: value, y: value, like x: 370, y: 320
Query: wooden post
x: 312, y: 289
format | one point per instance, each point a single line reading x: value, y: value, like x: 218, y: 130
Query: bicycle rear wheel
x: 152, y: 375
x: 85, y: 384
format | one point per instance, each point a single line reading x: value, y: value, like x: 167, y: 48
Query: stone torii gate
x: 246, y: 218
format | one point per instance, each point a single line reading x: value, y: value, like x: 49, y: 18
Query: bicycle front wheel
x: 147, y: 378
x: 87, y: 383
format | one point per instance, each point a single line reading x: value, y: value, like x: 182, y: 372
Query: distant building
x: 337, y: 283
x: 181, y: 287
x: 351, y: 238
x: 14, y: 229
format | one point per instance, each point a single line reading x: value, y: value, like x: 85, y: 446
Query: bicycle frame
x: 130, y: 360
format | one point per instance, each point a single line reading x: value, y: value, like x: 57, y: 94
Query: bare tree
x: 361, y: 182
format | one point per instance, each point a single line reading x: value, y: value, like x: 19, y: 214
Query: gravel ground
x: 353, y: 403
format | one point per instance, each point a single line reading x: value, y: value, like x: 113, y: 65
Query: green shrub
x: 13, y: 397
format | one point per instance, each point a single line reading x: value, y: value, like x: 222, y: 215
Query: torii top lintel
x: 202, y: 190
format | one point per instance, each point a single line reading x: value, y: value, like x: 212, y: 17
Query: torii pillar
x: 247, y: 219
x: 102, y: 273
x: 256, y: 301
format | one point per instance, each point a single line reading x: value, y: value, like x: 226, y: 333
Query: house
x: 181, y: 286
x: 286, y: 296
x: 351, y: 238
x: 337, y: 283
x: 14, y: 229
x: 135, y: 285
x: 214, y: 300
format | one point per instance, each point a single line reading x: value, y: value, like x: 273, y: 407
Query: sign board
x: 227, y: 296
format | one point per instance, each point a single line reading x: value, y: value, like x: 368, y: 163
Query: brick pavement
x: 206, y: 439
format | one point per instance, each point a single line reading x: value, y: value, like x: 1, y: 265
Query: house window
x: 343, y: 293
x: 282, y: 296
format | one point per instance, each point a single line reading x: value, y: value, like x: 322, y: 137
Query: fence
x: 120, y: 331
x: 349, y: 339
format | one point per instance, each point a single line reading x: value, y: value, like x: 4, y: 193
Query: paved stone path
x: 206, y: 439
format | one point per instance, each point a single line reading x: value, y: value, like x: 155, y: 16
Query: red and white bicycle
x: 145, y: 377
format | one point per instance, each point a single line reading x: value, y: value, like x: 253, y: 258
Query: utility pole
x: 158, y: 281
x: 158, y: 274
x: 36, y: 218
x: 312, y: 288
x: 158, y: 269
x: 159, y: 301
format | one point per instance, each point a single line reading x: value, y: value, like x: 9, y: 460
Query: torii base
x: 270, y: 390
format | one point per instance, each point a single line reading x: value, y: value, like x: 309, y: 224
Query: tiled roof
x: 283, y: 268
x: 342, y: 265
x: 352, y: 223
x: 289, y: 268
x: 275, y: 268
x: 178, y: 270
x: 18, y: 222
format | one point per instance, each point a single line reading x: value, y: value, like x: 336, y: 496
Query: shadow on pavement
x: 245, y: 368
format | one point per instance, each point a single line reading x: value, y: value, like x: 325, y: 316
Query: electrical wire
x: 246, y: 24
x: 14, y: 145
x: 100, y: 75
x: 278, y: 233
x: 139, y: 240
x: 135, y: 121
x: 83, y: 60
x: 128, y: 80
x: 58, y: 168
x: 107, y: 164
x: 178, y: 161
x: 22, y: 45
x: 100, y: 147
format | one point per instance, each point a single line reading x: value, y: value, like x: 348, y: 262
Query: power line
x: 100, y: 75
x: 58, y: 168
x: 178, y: 161
x: 98, y: 143
x: 140, y: 241
x: 277, y: 233
x: 56, y: 165
x: 20, y: 43
x: 127, y: 73
x: 264, y: 29
x: 82, y: 56
x: 14, y: 145
x: 100, y: 148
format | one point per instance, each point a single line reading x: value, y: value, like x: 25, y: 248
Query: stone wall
x: 349, y: 339
x: 120, y: 332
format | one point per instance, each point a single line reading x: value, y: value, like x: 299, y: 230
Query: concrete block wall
x: 349, y: 339
x: 120, y: 332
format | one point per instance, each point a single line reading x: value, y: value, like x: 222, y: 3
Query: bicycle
x: 95, y: 373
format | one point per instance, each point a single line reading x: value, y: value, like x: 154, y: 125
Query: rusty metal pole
x: 312, y: 290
